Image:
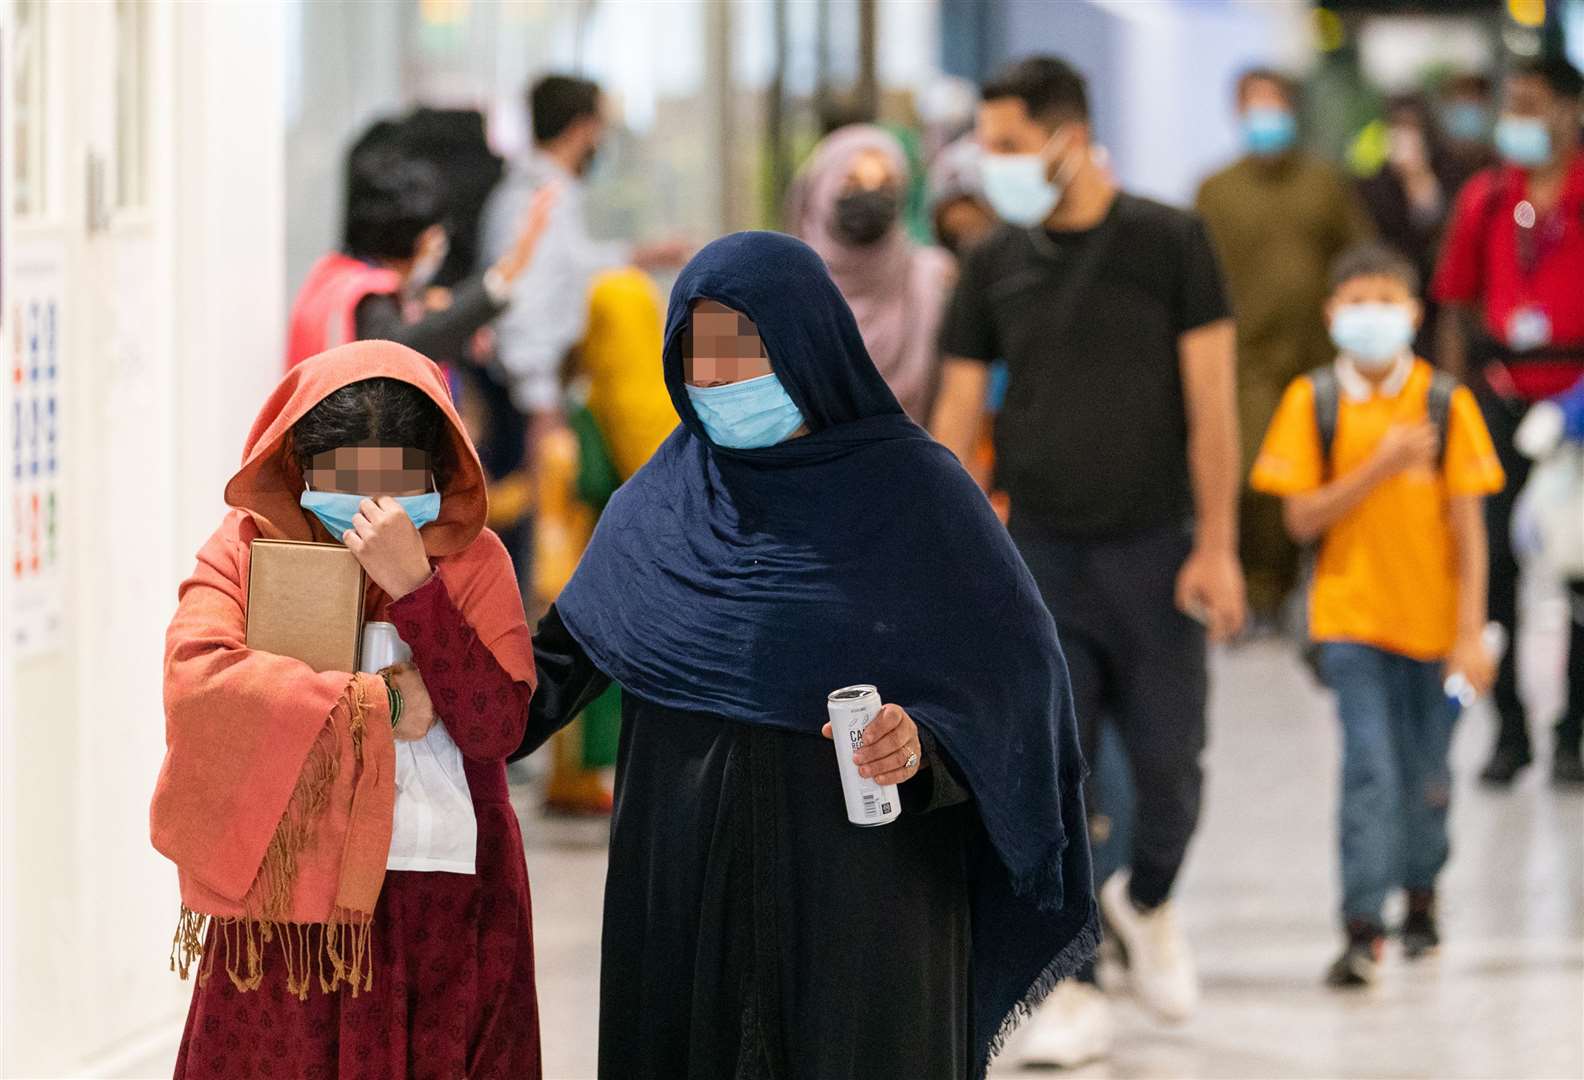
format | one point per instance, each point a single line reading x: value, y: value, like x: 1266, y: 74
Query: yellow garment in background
x: 619, y: 361
x: 562, y: 524
x: 621, y: 358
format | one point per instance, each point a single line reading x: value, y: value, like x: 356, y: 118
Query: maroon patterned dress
x: 453, y: 992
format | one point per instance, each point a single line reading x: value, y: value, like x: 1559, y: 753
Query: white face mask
x: 1373, y: 334
x: 1017, y: 188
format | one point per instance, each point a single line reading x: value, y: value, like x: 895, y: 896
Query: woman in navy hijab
x: 797, y: 533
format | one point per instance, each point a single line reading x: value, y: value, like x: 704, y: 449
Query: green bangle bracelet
x: 395, y: 702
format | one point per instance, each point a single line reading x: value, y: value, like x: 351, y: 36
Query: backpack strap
x: 1327, y: 403
x: 1438, y: 408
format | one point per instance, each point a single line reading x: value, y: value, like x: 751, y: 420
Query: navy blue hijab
x: 748, y: 584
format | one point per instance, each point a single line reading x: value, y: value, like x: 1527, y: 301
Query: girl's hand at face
x: 385, y: 541
x: 891, y: 752
x: 417, y: 715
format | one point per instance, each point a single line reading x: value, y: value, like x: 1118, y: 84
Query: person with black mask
x: 846, y: 204
x: 551, y: 300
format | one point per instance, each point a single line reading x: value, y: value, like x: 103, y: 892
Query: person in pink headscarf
x: 846, y: 205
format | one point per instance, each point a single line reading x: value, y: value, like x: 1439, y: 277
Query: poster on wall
x: 34, y: 383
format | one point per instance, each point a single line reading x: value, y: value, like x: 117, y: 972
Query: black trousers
x: 1138, y: 662
x: 1502, y: 416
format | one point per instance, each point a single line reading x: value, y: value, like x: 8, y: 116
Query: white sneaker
x: 1159, y: 960
x: 1073, y: 1026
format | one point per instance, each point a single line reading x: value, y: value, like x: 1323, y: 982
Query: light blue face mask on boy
x: 336, y: 509
x: 747, y: 415
x: 1373, y: 334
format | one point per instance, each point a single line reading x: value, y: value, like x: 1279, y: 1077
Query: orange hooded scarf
x: 276, y: 795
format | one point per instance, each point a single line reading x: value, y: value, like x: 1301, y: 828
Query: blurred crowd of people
x: 1365, y: 337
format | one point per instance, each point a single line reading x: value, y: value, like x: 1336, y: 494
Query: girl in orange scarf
x: 276, y: 796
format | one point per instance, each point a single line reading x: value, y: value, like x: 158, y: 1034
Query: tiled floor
x: 1504, y: 999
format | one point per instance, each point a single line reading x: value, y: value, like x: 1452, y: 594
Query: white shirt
x: 433, y: 826
x: 549, y: 308
x: 1359, y: 387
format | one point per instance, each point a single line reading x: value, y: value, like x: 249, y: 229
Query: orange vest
x: 324, y: 314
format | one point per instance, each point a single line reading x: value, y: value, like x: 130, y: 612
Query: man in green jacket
x: 1277, y: 216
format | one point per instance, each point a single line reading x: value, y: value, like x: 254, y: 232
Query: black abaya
x: 750, y: 930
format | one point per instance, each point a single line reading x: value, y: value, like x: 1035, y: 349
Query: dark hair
x: 1049, y: 87
x: 1283, y: 82
x: 1373, y: 260
x: 391, y: 197
x: 556, y: 102
x: 1560, y: 77
x: 452, y: 140
x: 381, y: 410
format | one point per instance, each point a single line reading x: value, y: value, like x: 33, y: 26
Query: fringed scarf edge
x: 1066, y: 963
x: 333, y: 953
x: 345, y: 941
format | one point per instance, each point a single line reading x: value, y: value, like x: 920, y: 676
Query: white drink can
x: 382, y: 647
x: 868, y: 803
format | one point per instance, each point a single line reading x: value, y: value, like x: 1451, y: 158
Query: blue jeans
x: 1396, y: 784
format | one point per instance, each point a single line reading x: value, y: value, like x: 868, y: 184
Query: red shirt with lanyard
x: 1525, y: 273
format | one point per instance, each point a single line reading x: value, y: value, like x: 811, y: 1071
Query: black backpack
x: 1327, y: 406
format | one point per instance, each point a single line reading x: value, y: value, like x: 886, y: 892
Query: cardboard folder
x: 306, y: 601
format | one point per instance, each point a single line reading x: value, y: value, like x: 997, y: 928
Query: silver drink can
x: 868, y: 803
x: 382, y: 647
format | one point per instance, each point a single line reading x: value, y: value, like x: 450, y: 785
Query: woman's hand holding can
x: 891, y: 752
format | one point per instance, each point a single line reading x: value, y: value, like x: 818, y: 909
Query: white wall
x: 344, y: 68
x: 1178, y: 126
x: 173, y: 334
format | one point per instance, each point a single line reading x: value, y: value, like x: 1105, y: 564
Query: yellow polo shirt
x: 1387, y: 571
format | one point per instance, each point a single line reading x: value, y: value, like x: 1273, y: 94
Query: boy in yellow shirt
x: 1385, y: 461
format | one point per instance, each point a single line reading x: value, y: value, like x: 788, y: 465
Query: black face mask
x: 863, y: 217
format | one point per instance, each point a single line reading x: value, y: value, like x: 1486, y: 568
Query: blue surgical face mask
x: 1465, y: 120
x: 746, y: 415
x: 1268, y: 131
x: 1017, y: 188
x: 1372, y: 334
x: 336, y: 509
x: 1524, y: 141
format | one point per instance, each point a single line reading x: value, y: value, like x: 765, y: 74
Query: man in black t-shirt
x: 1117, y: 445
